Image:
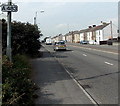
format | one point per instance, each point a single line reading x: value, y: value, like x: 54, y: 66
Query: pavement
x: 56, y: 85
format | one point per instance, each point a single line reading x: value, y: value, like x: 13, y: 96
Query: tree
x: 25, y: 38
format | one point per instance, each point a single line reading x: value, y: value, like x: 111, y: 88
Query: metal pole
x: 35, y: 18
x: 118, y: 20
x: 111, y: 29
x: 8, y: 51
x: 111, y: 32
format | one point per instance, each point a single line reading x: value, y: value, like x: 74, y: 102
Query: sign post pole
x: 9, y: 8
x: 9, y: 50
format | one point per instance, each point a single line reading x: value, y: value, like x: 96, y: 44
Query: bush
x: 24, y: 40
x: 17, y: 88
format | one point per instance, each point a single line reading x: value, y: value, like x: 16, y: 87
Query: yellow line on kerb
x: 94, y: 49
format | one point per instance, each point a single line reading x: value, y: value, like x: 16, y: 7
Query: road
x: 56, y: 86
x: 94, y: 68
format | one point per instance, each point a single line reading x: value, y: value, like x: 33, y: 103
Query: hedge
x: 17, y: 87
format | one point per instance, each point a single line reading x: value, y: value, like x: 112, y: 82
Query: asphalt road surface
x: 56, y: 86
x: 94, y: 68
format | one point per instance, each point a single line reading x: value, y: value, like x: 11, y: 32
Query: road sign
x: 9, y: 8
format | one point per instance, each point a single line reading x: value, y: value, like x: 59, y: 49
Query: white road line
x: 79, y: 85
x: 85, y: 92
x: 108, y: 63
x: 84, y: 55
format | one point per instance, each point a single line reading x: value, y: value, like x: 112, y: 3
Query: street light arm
x: 38, y: 11
x: 35, y: 18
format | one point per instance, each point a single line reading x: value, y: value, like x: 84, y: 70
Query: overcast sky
x: 61, y: 17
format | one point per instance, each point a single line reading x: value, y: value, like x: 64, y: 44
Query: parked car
x: 59, y: 45
x: 92, y: 42
x: 110, y: 42
x: 84, y: 42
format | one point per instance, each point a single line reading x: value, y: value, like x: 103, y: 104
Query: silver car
x: 59, y: 45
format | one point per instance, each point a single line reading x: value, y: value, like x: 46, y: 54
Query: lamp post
x: 35, y: 18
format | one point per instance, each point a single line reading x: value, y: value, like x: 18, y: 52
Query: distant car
x: 48, y: 41
x: 84, y: 42
x: 59, y: 45
x: 92, y: 42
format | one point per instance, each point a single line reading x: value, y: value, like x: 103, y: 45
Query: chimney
x: 94, y: 25
x: 89, y: 26
x: 103, y: 22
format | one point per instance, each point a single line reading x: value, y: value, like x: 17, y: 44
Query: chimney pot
x: 90, y: 26
x: 94, y: 25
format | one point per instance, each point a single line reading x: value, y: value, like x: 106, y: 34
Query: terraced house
x: 99, y: 33
x: 94, y: 33
x: 76, y: 35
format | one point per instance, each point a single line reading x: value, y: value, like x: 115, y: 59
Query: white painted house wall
x: 89, y: 36
x: 76, y: 38
x: 99, y: 36
x: 63, y: 38
x: 81, y: 36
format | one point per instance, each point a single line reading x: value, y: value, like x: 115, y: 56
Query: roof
x: 76, y: 32
x: 84, y: 30
x: 67, y: 34
x: 99, y: 27
x: 72, y: 32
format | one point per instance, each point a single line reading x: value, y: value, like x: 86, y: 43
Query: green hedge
x: 17, y: 88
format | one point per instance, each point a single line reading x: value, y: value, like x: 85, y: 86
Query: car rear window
x: 61, y: 43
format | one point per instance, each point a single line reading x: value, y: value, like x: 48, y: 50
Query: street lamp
x: 35, y: 18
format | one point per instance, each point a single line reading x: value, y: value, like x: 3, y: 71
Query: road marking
x: 80, y: 86
x: 84, y: 55
x: 95, y: 49
x: 108, y: 63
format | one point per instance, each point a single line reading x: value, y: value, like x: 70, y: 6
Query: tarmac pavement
x: 56, y: 86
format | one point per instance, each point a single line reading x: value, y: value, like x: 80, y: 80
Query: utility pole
x: 111, y: 29
x: 118, y: 19
x: 9, y: 50
x: 111, y: 33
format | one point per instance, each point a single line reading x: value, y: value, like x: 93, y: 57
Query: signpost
x: 9, y: 9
